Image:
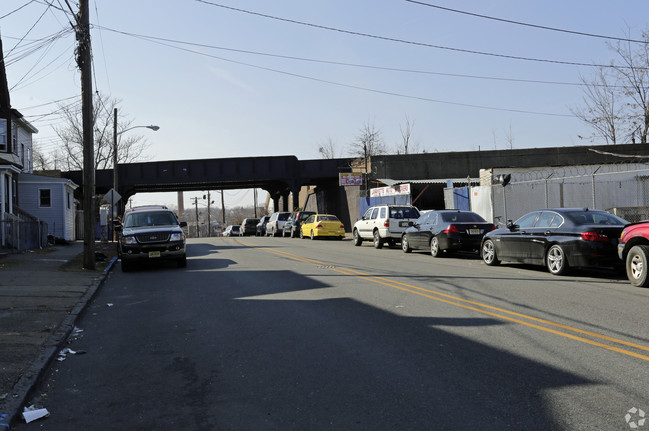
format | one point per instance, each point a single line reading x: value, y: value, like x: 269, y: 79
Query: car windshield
x: 303, y: 216
x: 283, y: 216
x: 462, y: 217
x: 158, y: 218
x: 595, y: 217
x: 404, y: 212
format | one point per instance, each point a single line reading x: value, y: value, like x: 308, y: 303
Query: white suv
x: 384, y: 223
x: 275, y: 225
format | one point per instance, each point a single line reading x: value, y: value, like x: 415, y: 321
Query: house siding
x: 59, y: 218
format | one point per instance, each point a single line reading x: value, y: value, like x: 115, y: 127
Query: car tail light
x: 594, y: 236
x: 319, y: 226
x: 493, y: 227
x: 342, y: 226
x: 451, y: 229
x: 386, y: 223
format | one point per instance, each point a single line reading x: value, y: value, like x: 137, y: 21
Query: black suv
x: 151, y: 233
x: 248, y: 226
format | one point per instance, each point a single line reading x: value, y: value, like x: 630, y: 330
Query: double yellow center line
x: 500, y: 313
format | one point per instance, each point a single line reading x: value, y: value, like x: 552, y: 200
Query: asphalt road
x: 290, y: 334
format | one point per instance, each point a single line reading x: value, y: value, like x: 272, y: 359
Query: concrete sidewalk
x: 42, y: 293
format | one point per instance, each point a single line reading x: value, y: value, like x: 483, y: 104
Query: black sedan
x: 446, y: 231
x: 558, y: 239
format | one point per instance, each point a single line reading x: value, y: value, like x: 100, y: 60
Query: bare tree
x: 633, y: 75
x: 368, y: 143
x: 328, y: 149
x: 601, y: 110
x: 41, y: 161
x: 407, y: 146
x: 70, y: 155
x: 617, y: 99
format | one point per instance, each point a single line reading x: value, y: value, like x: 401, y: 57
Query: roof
x: 390, y: 182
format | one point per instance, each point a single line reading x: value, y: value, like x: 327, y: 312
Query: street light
x: 115, y: 134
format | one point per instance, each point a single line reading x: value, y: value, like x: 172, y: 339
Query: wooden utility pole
x: 85, y: 65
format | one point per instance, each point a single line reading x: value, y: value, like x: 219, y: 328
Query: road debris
x: 32, y: 413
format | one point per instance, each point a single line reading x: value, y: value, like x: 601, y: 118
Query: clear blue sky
x: 200, y: 81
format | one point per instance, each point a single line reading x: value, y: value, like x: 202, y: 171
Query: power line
x: 423, y: 44
x: 339, y: 63
x: 542, y: 27
x: 16, y: 10
x: 388, y: 93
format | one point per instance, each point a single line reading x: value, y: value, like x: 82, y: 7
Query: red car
x: 633, y: 249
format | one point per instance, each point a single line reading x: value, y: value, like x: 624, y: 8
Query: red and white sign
x: 399, y: 189
x: 347, y: 179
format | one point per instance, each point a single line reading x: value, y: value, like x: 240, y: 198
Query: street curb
x: 10, y: 410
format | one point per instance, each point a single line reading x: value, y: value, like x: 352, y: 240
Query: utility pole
x: 223, y: 207
x: 198, y: 232
x: 209, y: 220
x: 85, y: 65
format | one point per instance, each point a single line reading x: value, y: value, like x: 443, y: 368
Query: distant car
x: 150, y: 233
x: 558, y: 239
x: 232, y: 230
x: 261, y: 226
x: 322, y: 225
x: 293, y: 223
x: 446, y: 231
x: 633, y: 249
x: 248, y: 226
x: 276, y: 223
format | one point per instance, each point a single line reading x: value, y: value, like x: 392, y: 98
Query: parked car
x: 261, y: 226
x: 232, y: 230
x: 276, y: 223
x: 150, y: 233
x: 384, y: 223
x: 446, y: 231
x: 558, y: 239
x: 248, y: 226
x: 293, y: 223
x: 322, y: 225
x: 633, y: 249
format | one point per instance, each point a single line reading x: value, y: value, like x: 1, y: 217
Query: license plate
x: 154, y: 254
x: 403, y: 224
x: 474, y: 231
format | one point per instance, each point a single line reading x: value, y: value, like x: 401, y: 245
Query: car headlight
x: 177, y: 236
x: 128, y: 240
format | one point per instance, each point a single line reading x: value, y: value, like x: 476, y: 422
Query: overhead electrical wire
x: 16, y: 10
x: 340, y: 63
x: 389, y: 93
x: 541, y: 27
x: 409, y: 42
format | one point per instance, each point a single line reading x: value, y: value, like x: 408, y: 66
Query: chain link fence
x: 622, y: 189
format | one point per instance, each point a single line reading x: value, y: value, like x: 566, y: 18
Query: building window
x: 68, y: 194
x: 45, y: 198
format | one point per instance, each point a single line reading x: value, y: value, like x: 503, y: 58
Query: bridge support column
x: 285, y: 201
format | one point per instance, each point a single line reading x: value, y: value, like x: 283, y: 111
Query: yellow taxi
x: 322, y: 225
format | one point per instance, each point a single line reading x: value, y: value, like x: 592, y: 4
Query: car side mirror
x: 183, y: 224
x: 511, y: 226
x: 412, y: 223
x: 118, y: 227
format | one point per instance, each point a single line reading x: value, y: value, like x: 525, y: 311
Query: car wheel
x: 182, y: 262
x: 489, y: 253
x: 301, y: 234
x: 357, y: 238
x: 405, y: 246
x: 312, y: 236
x: 636, y: 265
x: 434, y: 247
x: 556, y: 260
x: 378, y: 242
